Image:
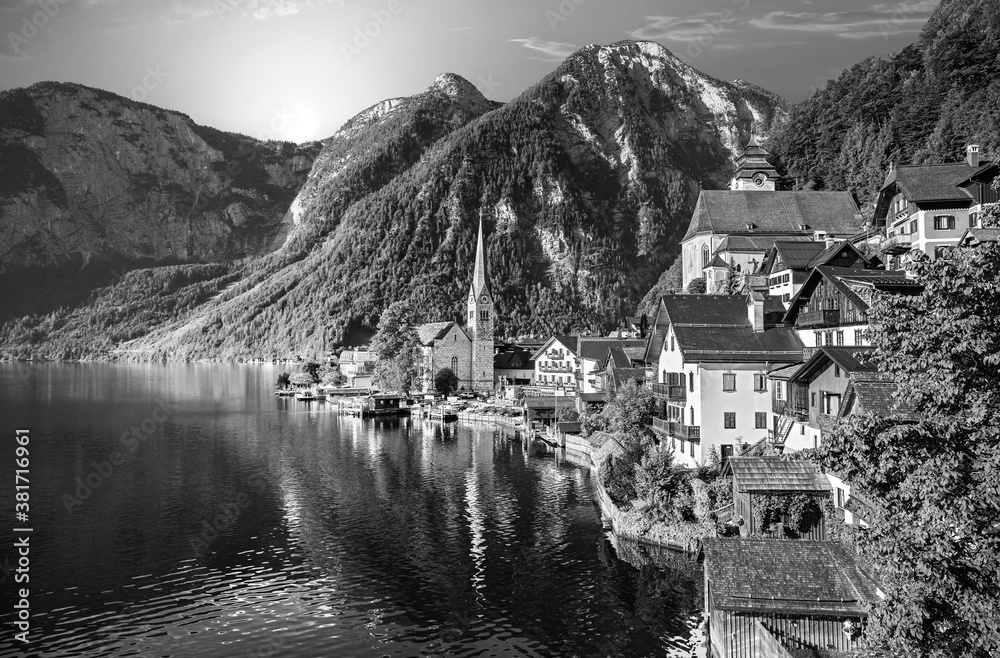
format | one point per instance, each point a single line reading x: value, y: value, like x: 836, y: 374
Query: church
x: 467, y: 350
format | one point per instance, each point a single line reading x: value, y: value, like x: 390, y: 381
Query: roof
x: 549, y: 402
x: 934, y: 182
x: 569, y: 342
x: 716, y: 328
x: 620, y: 358
x: 513, y: 360
x: 654, y: 345
x: 792, y: 577
x: 622, y: 375
x: 877, y: 397
x: 753, y: 243
x: 775, y: 212
x: 852, y: 283
x: 974, y: 236
x: 596, y: 349
x: 828, y: 254
x: 797, y: 255
x: 600, y: 396
x: 432, y: 331
x: 480, y: 281
x: 605, y: 445
x: 569, y: 427
x: 776, y: 473
x: 717, y: 262
x: 845, y: 357
x: 786, y: 372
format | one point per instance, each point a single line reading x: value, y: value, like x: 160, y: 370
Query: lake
x: 183, y: 510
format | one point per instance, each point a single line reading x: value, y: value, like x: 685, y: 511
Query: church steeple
x: 480, y: 285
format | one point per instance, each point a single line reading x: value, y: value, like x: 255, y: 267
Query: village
x: 743, y: 374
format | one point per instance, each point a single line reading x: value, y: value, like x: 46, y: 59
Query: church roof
x: 775, y: 212
x: 432, y: 331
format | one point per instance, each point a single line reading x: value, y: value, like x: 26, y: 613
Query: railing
x: 897, y: 244
x: 661, y: 425
x: 676, y: 429
x: 670, y: 392
x: 786, y: 408
x: 824, y: 318
x: 566, y: 369
x: 725, y: 513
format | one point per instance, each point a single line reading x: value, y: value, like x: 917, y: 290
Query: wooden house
x: 771, y: 599
x: 384, y: 405
x: 757, y: 481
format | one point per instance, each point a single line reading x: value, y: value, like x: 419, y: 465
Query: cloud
x: 879, y: 20
x: 676, y: 28
x: 262, y: 10
x: 554, y: 51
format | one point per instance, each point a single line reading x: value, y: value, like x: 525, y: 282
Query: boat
x: 309, y: 396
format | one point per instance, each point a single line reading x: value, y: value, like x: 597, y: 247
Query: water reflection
x: 252, y: 525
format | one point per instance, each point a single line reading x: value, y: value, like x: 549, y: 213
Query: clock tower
x: 753, y: 171
x: 480, y: 321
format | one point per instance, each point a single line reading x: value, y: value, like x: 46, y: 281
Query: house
x: 557, y: 366
x: 619, y: 366
x: 547, y: 409
x: 771, y: 598
x: 929, y: 207
x: 832, y: 306
x: 513, y: 368
x: 973, y: 237
x: 745, y: 254
x: 713, y: 354
x: 356, y: 361
x: 806, y: 402
x: 755, y: 215
x: 758, y: 480
x: 787, y: 264
x: 593, y: 352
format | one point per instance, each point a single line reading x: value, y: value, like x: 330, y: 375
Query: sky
x: 298, y: 69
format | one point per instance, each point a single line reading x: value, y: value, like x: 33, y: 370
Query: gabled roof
x: 622, y: 375
x: 851, y: 283
x: 823, y: 357
x: 785, y: 373
x: 789, y: 577
x: 569, y: 342
x: 716, y: 328
x: 618, y: 357
x: 798, y: 255
x: 654, y: 344
x: 841, y: 252
x: 432, y: 331
x: 934, y: 182
x: 514, y: 360
x: 717, y: 262
x: 878, y: 397
x: 549, y: 402
x: 974, y: 236
x: 775, y: 473
x: 596, y: 349
x: 729, y: 211
x: 599, y: 396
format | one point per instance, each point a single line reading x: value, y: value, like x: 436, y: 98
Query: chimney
x: 830, y: 241
x: 972, y: 155
x: 755, y: 310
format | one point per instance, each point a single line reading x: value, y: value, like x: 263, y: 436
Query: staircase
x: 783, y: 429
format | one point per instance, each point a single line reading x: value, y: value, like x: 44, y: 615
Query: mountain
x: 922, y: 105
x: 93, y: 184
x: 585, y: 184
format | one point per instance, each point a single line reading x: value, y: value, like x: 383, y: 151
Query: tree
x: 732, y: 284
x: 934, y: 539
x: 629, y: 412
x: 301, y: 380
x: 445, y: 381
x: 283, y: 380
x: 657, y: 479
x: 397, y: 348
x: 332, y: 377
x: 312, y: 369
x: 696, y: 286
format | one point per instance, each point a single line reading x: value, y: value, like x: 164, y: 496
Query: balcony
x: 897, y: 244
x: 555, y: 368
x: 676, y: 430
x: 798, y: 412
x: 670, y: 393
x: 824, y: 318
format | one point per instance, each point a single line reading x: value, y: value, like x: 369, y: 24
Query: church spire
x: 479, y: 282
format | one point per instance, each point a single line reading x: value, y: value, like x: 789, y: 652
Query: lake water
x: 184, y: 510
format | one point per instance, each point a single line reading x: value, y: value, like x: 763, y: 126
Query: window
x: 484, y: 315
x: 726, y: 451
x: 840, y: 498
x: 664, y: 380
x: 973, y: 220
x: 760, y: 420
x: 913, y: 227
x: 729, y: 382
x: 704, y: 256
x: 942, y: 251
x: 836, y: 370
x: 671, y: 343
x: 802, y: 430
x: 812, y: 399
x: 730, y: 420
x: 829, y: 338
x: 779, y: 391
x: 944, y: 222
x: 692, y: 417
x: 859, y: 336
x: 819, y: 338
x: 759, y: 382
x: 454, y: 364
x: 691, y: 381
x: 840, y: 338
x: 692, y: 449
